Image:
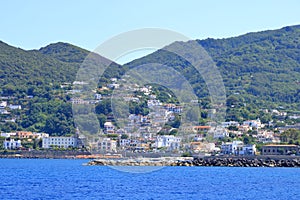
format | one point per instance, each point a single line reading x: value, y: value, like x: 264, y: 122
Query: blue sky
x: 32, y: 24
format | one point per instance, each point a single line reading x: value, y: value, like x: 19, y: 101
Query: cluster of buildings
x: 148, y: 133
x: 5, y: 108
x: 160, y: 142
x: 14, y: 140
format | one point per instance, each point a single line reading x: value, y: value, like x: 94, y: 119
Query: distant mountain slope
x: 259, y: 70
x: 45, y: 68
x: 65, y: 52
x: 20, y: 68
x: 261, y: 67
x: 264, y: 64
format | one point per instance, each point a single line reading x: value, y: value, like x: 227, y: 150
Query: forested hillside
x: 260, y: 71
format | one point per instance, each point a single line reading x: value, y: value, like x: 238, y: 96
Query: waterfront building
x: 107, y: 144
x: 238, y: 148
x: 169, y: 141
x: 11, y: 144
x: 280, y: 149
x: 61, y: 142
x: 249, y: 149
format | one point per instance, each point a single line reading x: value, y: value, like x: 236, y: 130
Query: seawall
x: 251, y: 161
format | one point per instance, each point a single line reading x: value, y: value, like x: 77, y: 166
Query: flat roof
x: 280, y: 145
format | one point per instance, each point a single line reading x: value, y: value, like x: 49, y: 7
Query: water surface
x: 69, y: 179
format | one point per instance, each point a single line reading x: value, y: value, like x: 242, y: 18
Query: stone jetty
x: 162, y: 161
x: 243, y: 162
x: 254, y: 161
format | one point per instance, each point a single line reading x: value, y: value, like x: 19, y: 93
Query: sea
x: 72, y: 179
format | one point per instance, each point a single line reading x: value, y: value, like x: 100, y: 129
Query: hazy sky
x: 32, y: 24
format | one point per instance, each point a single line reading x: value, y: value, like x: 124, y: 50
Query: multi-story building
x: 109, y: 128
x: 238, y: 148
x: 11, y: 144
x: 218, y: 132
x: 169, y: 141
x: 107, y: 145
x: 61, y: 142
x: 26, y: 134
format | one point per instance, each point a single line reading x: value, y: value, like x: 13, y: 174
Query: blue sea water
x: 70, y: 179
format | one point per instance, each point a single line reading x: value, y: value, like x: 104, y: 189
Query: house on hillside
x: 218, y: 132
x: 109, y: 128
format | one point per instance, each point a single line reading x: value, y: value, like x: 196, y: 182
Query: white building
x: 232, y: 147
x: 41, y: 135
x: 249, y: 149
x: 169, y: 141
x: 61, y: 142
x: 98, y: 96
x: 198, y: 137
x: 113, y: 85
x: 77, y: 101
x: 11, y: 144
x: 253, y: 123
x: 109, y: 128
x: 238, y: 148
x: 107, y: 144
x: 153, y: 102
x: 15, y: 107
x: 218, y: 132
x: 124, y: 142
x: 7, y: 135
x: 3, y: 104
x: 231, y: 123
x: 4, y: 112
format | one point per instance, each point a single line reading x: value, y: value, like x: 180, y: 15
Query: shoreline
x: 212, y: 161
x: 137, y: 160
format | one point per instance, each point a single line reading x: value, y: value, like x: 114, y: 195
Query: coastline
x: 211, y: 161
x: 119, y: 160
x: 46, y: 154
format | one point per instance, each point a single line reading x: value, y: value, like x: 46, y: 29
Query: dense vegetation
x: 32, y: 79
x: 259, y: 70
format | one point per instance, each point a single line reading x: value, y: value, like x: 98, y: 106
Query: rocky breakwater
x: 242, y: 162
x: 232, y: 161
x: 162, y: 161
